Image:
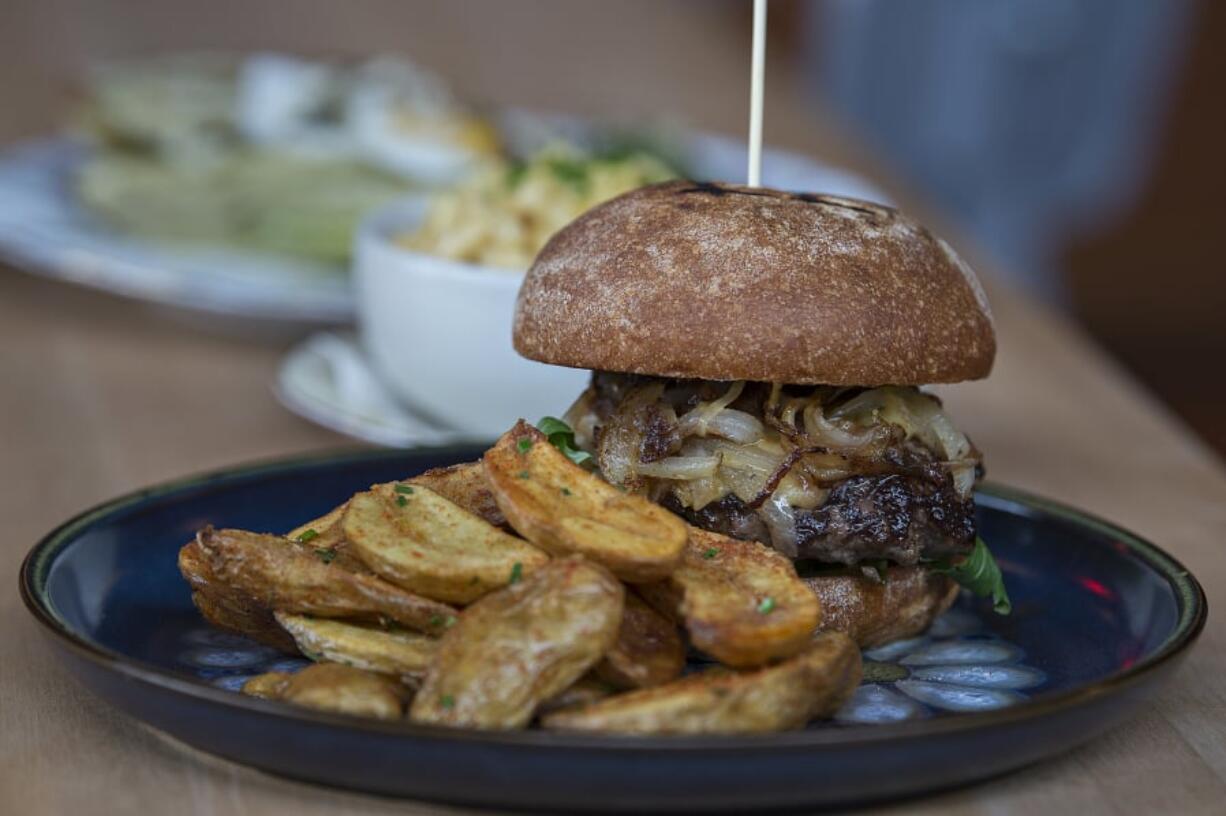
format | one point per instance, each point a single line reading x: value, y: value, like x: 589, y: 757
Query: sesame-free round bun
x: 723, y: 282
x: 874, y: 613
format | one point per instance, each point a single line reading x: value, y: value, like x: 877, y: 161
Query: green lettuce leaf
x: 562, y: 437
x: 979, y: 573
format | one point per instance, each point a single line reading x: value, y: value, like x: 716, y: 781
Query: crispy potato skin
x: 400, y: 654
x: 336, y: 688
x: 330, y: 536
x: 427, y: 544
x: 875, y: 613
x: 587, y: 689
x: 228, y: 607
x: 718, y: 590
x: 325, y: 522
x: 466, y: 486
x: 289, y: 576
x: 810, y: 685
x: 563, y: 509
x: 648, y: 650
x: 268, y: 686
x: 520, y: 646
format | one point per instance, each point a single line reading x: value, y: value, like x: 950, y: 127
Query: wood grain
x: 100, y: 396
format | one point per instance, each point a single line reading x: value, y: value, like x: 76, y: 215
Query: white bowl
x: 438, y: 333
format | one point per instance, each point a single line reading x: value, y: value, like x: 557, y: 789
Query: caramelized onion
x: 684, y: 468
x: 786, y: 458
x: 729, y: 423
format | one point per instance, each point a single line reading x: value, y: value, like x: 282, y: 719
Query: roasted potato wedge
x: 563, y: 509
x: 520, y: 646
x: 319, y: 526
x: 398, y: 653
x: 416, y: 539
x: 648, y: 650
x: 268, y: 686
x: 874, y: 613
x: 466, y: 486
x: 787, y: 695
x: 741, y: 602
x: 326, y: 535
x: 587, y: 689
x: 333, y: 687
x: 227, y: 606
x: 286, y: 575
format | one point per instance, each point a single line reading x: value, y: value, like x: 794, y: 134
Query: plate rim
x: 1190, y: 598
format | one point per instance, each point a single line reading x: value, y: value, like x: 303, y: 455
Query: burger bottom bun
x: 874, y: 613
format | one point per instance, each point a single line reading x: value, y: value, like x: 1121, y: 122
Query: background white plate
x: 44, y: 230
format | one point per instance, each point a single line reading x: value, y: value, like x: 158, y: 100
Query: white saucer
x: 326, y: 379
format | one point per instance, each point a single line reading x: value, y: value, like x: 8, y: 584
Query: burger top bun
x: 724, y: 282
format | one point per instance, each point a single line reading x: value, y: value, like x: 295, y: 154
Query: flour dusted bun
x: 724, y: 282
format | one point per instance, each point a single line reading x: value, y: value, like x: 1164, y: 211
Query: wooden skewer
x: 757, y: 75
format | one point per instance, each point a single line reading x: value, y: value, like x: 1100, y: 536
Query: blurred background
x: 1077, y: 144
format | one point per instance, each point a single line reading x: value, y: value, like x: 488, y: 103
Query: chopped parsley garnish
x: 767, y: 606
x: 401, y: 501
x: 308, y: 534
x: 523, y: 474
x: 516, y: 173
x: 523, y: 444
x: 517, y: 572
x: 562, y: 437
x: 404, y: 488
x: 710, y: 552
x: 570, y: 171
x: 447, y: 701
x: 326, y: 554
x: 979, y: 573
x: 566, y: 491
x: 437, y: 620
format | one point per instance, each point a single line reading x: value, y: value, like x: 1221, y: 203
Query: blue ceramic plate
x: 1100, y: 618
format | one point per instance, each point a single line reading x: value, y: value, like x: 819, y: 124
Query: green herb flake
x: 566, y: 491
x: 447, y: 701
x: 523, y: 474
x: 401, y: 501
x: 710, y: 553
x: 404, y: 488
x: 436, y: 620
x: 562, y: 437
x: 573, y: 172
x: 326, y: 554
x: 767, y: 605
x: 515, y: 174
x: 523, y: 444
x: 308, y: 534
x: 979, y: 573
x: 517, y: 572
x: 449, y: 621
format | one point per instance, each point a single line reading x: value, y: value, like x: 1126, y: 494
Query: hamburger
x: 758, y: 361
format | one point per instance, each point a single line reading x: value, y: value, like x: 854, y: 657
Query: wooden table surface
x: 99, y: 396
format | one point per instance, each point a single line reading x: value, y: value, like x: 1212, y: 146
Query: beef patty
x: 900, y: 518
